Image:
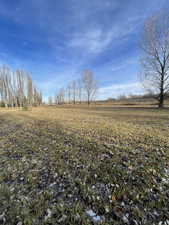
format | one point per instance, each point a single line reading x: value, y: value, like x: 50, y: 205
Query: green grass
x: 57, y: 163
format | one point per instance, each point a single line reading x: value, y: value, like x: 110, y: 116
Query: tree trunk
x: 161, y: 97
x: 88, y: 100
x: 161, y: 100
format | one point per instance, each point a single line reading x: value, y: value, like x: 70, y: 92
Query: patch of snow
x: 49, y: 213
x: 93, y: 215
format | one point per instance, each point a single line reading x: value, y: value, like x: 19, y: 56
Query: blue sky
x: 56, y: 40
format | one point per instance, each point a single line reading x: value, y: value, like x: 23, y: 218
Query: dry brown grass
x: 59, y: 163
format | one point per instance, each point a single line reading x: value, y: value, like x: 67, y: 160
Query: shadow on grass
x: 50, y: 176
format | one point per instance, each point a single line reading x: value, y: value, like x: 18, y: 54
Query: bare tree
x: 20, y: 79
x: 60, y: 97
x: 155, y: 61
x: 79, y: 90
x: 50, y: 100
x: 69, y: 93
x: 37, y: 97
x: 40, y: 98
x: 89, y: 85
x: 74, y: 91
x: 16, y: 88
x: 5, y: 85
x: 56, y: 99
x: 30, y: 94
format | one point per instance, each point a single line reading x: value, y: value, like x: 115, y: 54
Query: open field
x: 80, y: 165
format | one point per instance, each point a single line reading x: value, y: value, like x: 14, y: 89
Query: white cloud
x: 60, y: 79
x: 115, y: 90
x: 98, y: 39
x: 94, y: 41
x: 127, y: 63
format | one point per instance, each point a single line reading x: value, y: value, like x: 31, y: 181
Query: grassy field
x: 82, y: 166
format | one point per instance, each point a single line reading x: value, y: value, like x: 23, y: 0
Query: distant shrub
x: 2, y: 104
x: 25, y: 108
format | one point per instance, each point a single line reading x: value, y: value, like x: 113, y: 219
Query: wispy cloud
x: 125, y: 63
x: 116, y: 90
x: 96, y: 40
x: 92, y: 41
x: 58, y: 79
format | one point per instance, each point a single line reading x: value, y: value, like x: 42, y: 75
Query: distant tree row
x: 78, y: 91
x: 17, y: 89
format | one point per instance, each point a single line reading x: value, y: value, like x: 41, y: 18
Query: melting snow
x: 94, y: 216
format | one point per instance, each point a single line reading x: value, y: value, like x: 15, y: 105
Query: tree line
x: 78, y: 91
x: 17, y: 89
